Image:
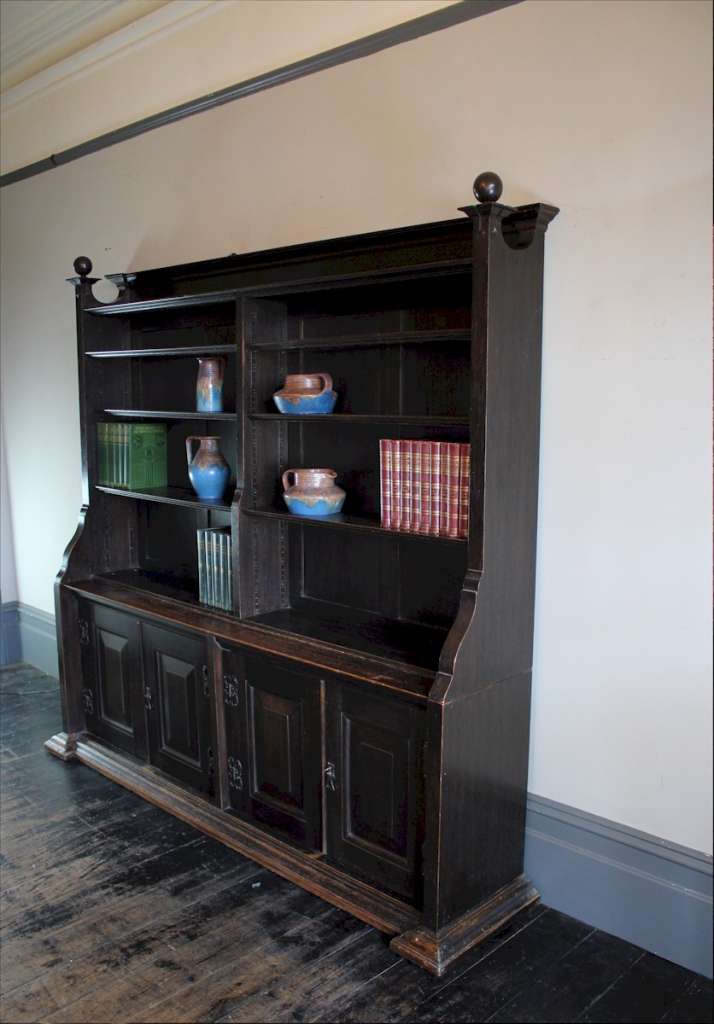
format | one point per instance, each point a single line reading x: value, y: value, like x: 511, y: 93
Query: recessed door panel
x: 178, y: 702
x: 179, y: 708
x: 114, y: 679
x: 374, y: 788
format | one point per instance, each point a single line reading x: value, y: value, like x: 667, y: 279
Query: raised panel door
x: 273, y: 744
x: 374, y: 788
x: 178, y: 700
x: 112, y: 684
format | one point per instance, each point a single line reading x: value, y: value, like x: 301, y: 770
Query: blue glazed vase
x: 306, y: 394
x: 208, y: 471
x: 209, y: 384
x: 313, y: 493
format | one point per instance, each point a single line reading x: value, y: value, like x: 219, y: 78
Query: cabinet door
x: 111, y: 685
x: 373, y: 788
x: 178, y: 700
x: 273, y: 746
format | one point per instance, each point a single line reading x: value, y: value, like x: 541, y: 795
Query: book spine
x: 407, y: 484
x: 114, y: 453
x: 464, y: 489
x: 444, y: 477
x: 385, y: 482
x: 125, y: 437
x: 221, y: 568
x: 397, y: 485
x: 102, y: 452
x: 229, y: 565
x: 214, y: 568
x: 200, y: 552
x: 425, y: 513
x: 148, y: 456
x: 435, y: 472
x: 417, y: 480
x: 452, y: 489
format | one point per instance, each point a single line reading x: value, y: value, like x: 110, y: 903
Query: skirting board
x: 28, y: 634
x: 646, y: 890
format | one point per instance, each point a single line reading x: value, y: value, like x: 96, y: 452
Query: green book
x: 145, y: 451
x: 102, y: 452
x: 114, y: 454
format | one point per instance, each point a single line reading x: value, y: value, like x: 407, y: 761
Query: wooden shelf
x: 160, y: 584
x: 155, y: 305
x: 407, y: 643
x: 163, y: 414
x: 365, y: 340
x: 175, y: 600
x: 364, y: 524
x: 180, y: 352
x: 181, y: 496
x: 365, y: 419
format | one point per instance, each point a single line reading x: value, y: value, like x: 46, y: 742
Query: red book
x: 407, y: 489
x: 425, y: 515
x: 450, y: 527
x: 397, y: 486
x: 385, y: 481
x: 417, y: 497
x: 436, y: 488
x: 464, y: 489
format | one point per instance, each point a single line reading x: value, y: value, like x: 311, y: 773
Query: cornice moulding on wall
x: 47, y: 23
x: 160, y: 22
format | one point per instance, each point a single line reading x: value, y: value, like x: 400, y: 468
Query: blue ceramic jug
x: 208, y: 471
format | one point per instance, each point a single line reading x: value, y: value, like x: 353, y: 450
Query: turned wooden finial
x: 83, y: 266
x: 488, y: 187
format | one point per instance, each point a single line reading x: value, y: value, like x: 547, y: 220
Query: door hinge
x: 330, y: 777
x: 231, y: 691
x: 206, y: 681
x: 83, y: 632
x: 88, y: 701
x: 235, y: 773
x: 148, y: 703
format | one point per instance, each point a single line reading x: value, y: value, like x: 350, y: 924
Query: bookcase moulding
x: 389, y: 670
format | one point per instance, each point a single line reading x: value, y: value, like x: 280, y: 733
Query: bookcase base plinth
x: 63, y: 746
x: 435, y: 951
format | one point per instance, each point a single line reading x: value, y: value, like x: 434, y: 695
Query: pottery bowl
x: 306, y: 405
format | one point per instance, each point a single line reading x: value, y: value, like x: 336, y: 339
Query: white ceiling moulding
x: 160, y: 22
x: 31, y: 27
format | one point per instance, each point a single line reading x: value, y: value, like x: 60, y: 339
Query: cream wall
x: 186, y: 49
x: 599, y: 107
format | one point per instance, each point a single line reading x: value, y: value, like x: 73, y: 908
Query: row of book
x: 424, y: 487
x: 215, y: 579
x: 132, y: 455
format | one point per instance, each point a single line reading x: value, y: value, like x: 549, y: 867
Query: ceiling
x: 36, y: 34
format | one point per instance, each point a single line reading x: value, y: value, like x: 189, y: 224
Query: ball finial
x: 488, y: 187
x: 83, y: 266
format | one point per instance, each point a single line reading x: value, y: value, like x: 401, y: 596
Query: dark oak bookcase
x: 358, y: 722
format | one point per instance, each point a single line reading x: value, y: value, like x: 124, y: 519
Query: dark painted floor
x: 114, y: 911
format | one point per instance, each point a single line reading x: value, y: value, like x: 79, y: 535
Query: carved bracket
x: 235, y: 773
x: 231, y: 691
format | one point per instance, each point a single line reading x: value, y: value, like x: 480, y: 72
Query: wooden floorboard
x: 113, y: 911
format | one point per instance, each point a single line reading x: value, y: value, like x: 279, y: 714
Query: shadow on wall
x: 10, y: 650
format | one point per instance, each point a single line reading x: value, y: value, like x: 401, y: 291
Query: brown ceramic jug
x: 313, y: 493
